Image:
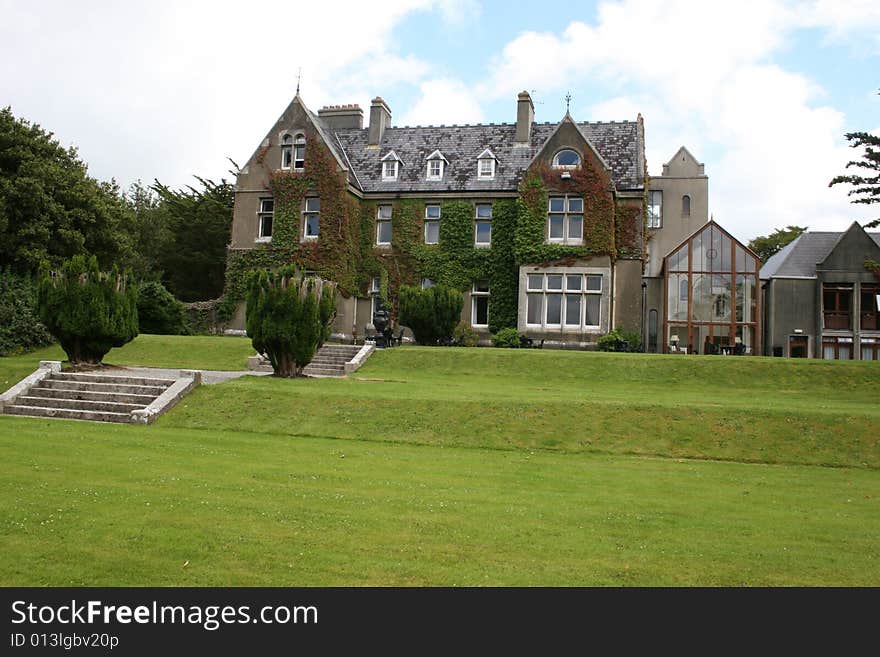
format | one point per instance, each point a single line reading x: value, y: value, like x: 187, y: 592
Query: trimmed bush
x: 620, y: 340
x: 159, y: 312
x: 20, y: 327
x: 464, y: 335
x: 289, y: 317
x: 507, y: 337
x: 87, y: 310
x: 431, y: 314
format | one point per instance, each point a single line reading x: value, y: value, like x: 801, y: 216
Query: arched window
x: 299, y: 151
x: 685, y: 206
x: 566, y: 159
x: 286, y: 151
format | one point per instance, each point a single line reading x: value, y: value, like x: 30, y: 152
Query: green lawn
x: 459, y: 467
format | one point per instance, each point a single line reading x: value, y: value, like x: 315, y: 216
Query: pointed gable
x: 568, y: 134
x: 850, y: 252
x: 683, y: 165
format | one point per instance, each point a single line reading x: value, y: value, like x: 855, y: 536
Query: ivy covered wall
x: 346, y: 252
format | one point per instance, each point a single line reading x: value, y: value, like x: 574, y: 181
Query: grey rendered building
x: 820, y: 299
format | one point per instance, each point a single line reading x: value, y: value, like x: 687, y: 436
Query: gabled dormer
x: 850, y: 252
x: 486, y: 162
x: 391, y: 165
x: 568, y: 149
x: 436, y: 164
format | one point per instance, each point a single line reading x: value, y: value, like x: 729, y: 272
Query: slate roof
x: 798, y: 259
x: 619, y: 143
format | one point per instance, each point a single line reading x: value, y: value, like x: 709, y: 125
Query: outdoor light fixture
x: 565, y: 175
x: 799, y: 331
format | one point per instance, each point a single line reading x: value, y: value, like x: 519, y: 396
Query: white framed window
x: 389, y: 170
x: 486, y: 165
x: 299, y: 151
x: 286, y: 152
x: 565, y: 220
x: 432, y: 224
x: 383, y: 225
x: 483, y: 225
x: 311, y: 218
x: 655, y: 208
x: 480, y: 303
x: 265, y: 215
x: 428, y: 283
x: 435, y: 169
x: 566, y: 159
x: 564, y: 299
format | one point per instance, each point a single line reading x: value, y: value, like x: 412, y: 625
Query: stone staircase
x: 331, y: 359
x: 94, y: 396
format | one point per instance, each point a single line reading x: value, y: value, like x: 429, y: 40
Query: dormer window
x: 286, y: 151
x: 566, y: 159
x: 486, y: 165
x: 436, y: 163
x: 299, y: 152
x: 390, y: 166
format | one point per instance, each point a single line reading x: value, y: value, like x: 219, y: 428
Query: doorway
x: 797, y: 346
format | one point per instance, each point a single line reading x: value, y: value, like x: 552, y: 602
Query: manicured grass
x: 123, y: 505
x: 203, y: 352
x: 458, y: 467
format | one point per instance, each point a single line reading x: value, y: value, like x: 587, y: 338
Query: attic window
x: 389, y: 170
x: 286, y: 151
x: 566, y: 159
x: 486, y: 165
x: 436, y: 161
x: 435, y: 169
x: 299, y: 152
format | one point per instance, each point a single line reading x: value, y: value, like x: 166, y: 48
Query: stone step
x: 77, y: 404
x: 87, y: 395
x: 121, y: 388
x: 339, y: 354
x: 335, y: 360
x: 90, y: 377
x: 324, y: 371
x: 67, y: 413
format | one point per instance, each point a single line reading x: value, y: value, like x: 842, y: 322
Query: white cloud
x: 443, y: 102
x: 702, y: 75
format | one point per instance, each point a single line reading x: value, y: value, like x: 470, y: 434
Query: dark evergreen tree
x: 199, y: 222
x: 431, y: 314
x: 866, y: 183
x: 289, y: 317
x: 87, y: 310
x: 159, y: 312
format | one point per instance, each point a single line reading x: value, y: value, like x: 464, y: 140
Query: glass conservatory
x: 712, y: 296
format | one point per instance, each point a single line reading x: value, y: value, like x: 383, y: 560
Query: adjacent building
x: 822, y: 297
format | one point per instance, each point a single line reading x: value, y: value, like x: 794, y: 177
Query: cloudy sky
x: 761, y: 92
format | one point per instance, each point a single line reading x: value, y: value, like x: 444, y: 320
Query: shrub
x: 465, y: 336
x: 159, y: 312
x: 88, y: 310
x: 20, y: 327
x: 431, y: 314
x: 288, y: 317
x: 507, y: 337
x: 620, y: 340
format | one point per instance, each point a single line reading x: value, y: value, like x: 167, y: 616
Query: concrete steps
x: 330, y: 360
x: 94, y: 396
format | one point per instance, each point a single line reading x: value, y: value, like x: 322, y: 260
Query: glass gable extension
x: 712, y: 296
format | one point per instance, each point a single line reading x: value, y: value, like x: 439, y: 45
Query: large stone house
x: 541, y: 225
x: 821, y: 299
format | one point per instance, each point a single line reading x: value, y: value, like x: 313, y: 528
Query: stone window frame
x: 431, y: 218
x: 655, y: 220
x: 567, y: 214
x: 262, y: 215
x: 287, y: 151
x: 565, y: 289
x: 381, y: 220
x: 482, y: 219
x: 480, y: 294
x: 561, y: 151
x: 311, y: 209
x: 299, y: 152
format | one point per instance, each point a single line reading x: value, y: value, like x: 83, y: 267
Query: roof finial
x: 567, y: 101
x: 298, y: 77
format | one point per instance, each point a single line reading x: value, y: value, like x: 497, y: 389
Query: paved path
x: 209, y: 377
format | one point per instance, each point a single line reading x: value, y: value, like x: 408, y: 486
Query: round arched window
x: 567, y: 159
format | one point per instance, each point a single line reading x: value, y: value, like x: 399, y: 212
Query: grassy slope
x: 500, y: 489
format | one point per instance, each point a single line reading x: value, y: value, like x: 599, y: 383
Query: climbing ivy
x: 346, y: 251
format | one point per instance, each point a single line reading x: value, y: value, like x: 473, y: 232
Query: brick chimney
x: 380, y: 118
x: 342, y: 117
x: 525, y: 115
